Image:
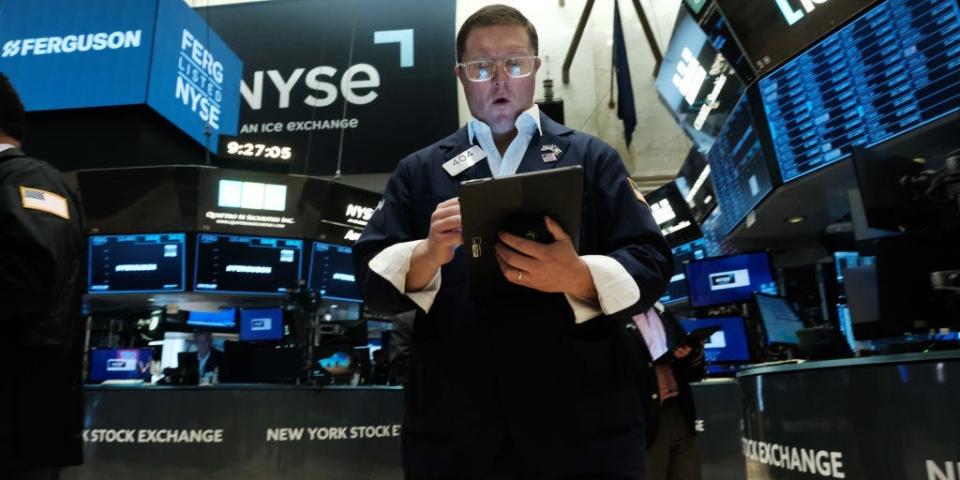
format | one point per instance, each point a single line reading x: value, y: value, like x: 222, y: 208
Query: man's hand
x: 438, y: 248
x: 553, y: 268
x: 682, y: 351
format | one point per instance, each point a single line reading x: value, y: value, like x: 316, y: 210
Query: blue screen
x: 677, y: 288
x: 63, y: 54
x: 239, y: 264
x: 331, y: 272
x: 261, y: 324
x: 119, y: 364
x: 844, y: 260
x: 728, y: 344
x: 735, y: 278
x: 779, y: 320
x: 139, y: 263
x: 226, y: 318
x: 194, y: 76
x: 891, y: 70
x: 738, y: 168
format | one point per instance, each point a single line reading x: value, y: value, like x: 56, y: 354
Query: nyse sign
x: 344, y: 91
x: 199, y: 80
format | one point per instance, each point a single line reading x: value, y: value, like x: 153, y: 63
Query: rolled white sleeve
x: 393, y: 263
x: 616, y: 289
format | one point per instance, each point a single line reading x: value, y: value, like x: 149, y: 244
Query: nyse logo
x: 794, y: 15
x: 199, y: 80
x: 260, y: 324
x: 950, y: 470
x: 73, y: 43
x: 121, y: 364
x: 358, y: 214
x: 354, y: 85
x: 689, y: 77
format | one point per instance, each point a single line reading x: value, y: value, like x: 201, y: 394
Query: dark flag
x: 626, y: 110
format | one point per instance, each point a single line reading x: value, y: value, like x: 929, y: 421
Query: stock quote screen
x: 136, y: 263
x: 694, y: 184
x: 331, y: 272
x: 893, y: 69
x: 741, y: 178
x: 238, y: 264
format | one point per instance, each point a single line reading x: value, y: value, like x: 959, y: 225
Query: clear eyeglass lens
x: 514, y: 67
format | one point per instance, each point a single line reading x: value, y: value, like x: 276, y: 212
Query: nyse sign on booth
x: 342, y: 90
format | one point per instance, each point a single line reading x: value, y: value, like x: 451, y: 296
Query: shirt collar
x: 6, y: 146
x: 474, y: 125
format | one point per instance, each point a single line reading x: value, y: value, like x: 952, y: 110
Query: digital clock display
x: 259, y: 150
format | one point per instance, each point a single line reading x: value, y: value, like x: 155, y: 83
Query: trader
x: 538, y: 384
x: 41, y: 400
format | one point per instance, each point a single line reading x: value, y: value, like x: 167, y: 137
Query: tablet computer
x: 515, y: 203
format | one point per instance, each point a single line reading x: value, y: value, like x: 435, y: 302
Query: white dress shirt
x: 6, y: 146
x: 616, y: 289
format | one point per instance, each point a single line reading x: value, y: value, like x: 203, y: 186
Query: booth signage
x: 327, y: 81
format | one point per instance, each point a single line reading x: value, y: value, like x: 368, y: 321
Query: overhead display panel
x: 672, y: 215
x: 238, y: 264
x: 707, y: 14
x: 892, y: 70
x: 694, y: 184
x: 696, y: 83
x: 739, y: 170
x: 771, y: 31
x: 137, y: 263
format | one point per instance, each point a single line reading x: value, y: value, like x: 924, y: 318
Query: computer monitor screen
x: 779, y: 319
x: 696, y: 83
x: 225, y: 318
x: 677, y: 288
x: 138, y: 263
x: 331, y: 272
x: 889, y: 71
x: 695, y: 186
x: 120, y: 364
x: 845, y: 260
x: 772, y: 31
x: 261, y: 324
x: 727, y: 345
x: 734, y: 278
x: 238, y: 264
x: 672, y: 215
x: 738, y: 167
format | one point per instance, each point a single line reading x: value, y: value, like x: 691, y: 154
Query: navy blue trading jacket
x: 520, y: 370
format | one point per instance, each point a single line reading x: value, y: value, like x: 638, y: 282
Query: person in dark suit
x: 672, y: 451
x: 534, y: 383
x: 209, y: 359
x: 41, y: 396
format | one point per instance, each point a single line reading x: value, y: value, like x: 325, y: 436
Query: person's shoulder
x: 27, y: 168
x: 428, y: 155
x: 588, y: 142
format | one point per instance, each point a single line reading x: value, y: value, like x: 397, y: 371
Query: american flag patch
x: 45, y: 201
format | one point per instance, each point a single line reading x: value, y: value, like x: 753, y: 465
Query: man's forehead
x: 513, y: 38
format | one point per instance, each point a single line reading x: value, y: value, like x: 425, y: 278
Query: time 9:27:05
x: 258, y: 150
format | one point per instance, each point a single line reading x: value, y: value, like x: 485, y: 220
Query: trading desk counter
x: 889, y: 417
x: 241, y: 431
x: 278, y: 431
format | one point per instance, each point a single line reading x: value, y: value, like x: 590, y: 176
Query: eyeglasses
x: 483, y: 70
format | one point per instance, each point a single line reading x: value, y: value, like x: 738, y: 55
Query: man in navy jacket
x: 539, y: 384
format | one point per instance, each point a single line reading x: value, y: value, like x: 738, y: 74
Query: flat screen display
x: 261, y: 324
x: 780, y: 321
x: 137, y: 263
x: 331, y: 272
x: 694, y: 184
x: 721, y: 37
x: 672, y: 215
x: 730, y: 279
x: 677, y: 288
x: 738, y: 167
x: 771, y: 31
x: 727, y: 345
x: 696, y: 83
x: 226, y: 318
x: 239, y: 264
x: 120, y: 364
x: 891, y: 70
